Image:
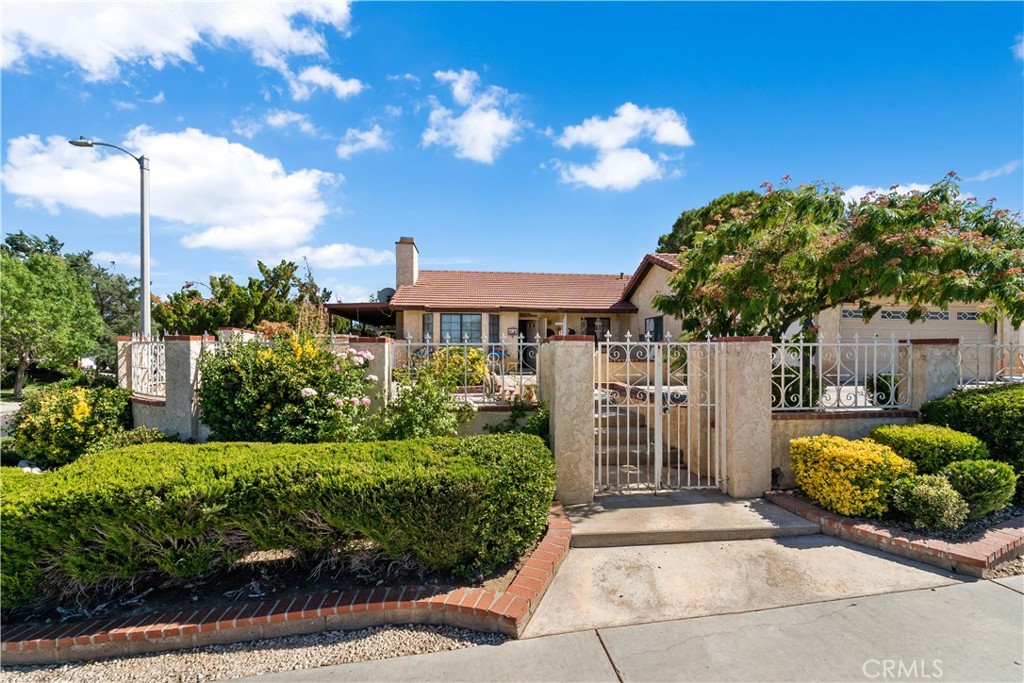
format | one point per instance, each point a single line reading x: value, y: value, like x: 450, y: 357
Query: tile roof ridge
x: 521, y: 272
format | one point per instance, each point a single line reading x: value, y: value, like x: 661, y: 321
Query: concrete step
x: 612, y: 416
x: 614, y: 436
x: 688, y: 516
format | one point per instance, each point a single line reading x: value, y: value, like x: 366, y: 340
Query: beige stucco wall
x: 567, y: 384
x: 481, y: 418
x: 746, y: 419
x: 846, y: 426
x: 654, y: 282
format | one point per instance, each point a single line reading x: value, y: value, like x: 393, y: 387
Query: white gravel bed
x: 215, y: 662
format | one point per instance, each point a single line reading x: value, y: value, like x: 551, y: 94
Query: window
x: 494, y: 329
x: 428, y: 326
x: 457, y: 328
x: 656, y: 328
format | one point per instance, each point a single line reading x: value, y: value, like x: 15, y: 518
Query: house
x: 486, y: 307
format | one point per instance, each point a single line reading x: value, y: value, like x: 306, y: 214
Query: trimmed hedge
x: 986, y: 485
x: 853, y: 478
x: 993, y: 414
x: 930, y: 447
x: 175, y: 510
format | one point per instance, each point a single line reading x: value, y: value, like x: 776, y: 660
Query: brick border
x: 975, y: 558
x: 783, y: 415
x: 505, y: 612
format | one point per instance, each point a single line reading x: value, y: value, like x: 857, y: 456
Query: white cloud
x: 314, y: 77
x: 229, y: 195
x: 857, y: 192
x: 121, y: 105
x: 282, y: 119
x: 617, y: 169
x: 247, y: 128
x: 482, y: 129
x: 393, y: 110
x: 122, y: 259
x: 403, y: 77
x: 1008, y: 167
x: 101, y: 38
x: 347, y: 293
x: 617, y: 166
x: 1018, y: 47
x: 337, y: 255
x: 157, y: 99
x: 357, y: 141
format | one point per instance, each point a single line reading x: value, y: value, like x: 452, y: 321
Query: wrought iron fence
x: 987, y: 364
x: 483, y: 371
x: 841, y: 375
x: 149, y: 368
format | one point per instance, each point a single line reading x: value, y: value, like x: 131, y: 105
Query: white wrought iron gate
x: 657, y: 415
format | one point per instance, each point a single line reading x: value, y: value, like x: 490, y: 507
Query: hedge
x: 986, y: 485
x: 169, y: 510
x: 930, y: 447
x: 854, y: 478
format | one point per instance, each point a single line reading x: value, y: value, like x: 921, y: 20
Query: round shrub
x: 930, y: 502
x: 292, y: 390
x: 986, y: 485
x: 930, y: 447
x: 463, y: 364
x: 57, y: 426
x: 853, y: 478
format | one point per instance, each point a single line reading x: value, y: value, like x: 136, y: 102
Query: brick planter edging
x: 975, y: 558
x: 505, y: 612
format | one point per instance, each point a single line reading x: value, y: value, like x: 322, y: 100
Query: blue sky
x: 555, y: 137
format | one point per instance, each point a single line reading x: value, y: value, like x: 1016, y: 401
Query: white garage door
x: 959, y: 322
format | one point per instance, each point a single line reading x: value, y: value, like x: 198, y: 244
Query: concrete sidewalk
x: 965, y: 632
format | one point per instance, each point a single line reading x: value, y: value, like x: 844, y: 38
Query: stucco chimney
x: 407, y: 262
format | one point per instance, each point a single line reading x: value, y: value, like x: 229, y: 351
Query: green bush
x: 930, y: 447
x: 986, y: 485
x: 993, y: 414
x: 423, y: 405
x: 930, y: 502
x: 169, y: 511
x: 57, y: 425
x: 853, y: 478
x: 524, y: 418
x: 131, y: 437
x: 879, y: 388
x: 294, y: 390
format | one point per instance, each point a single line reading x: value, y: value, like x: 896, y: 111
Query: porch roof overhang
x: 371, y: 313
x: 453, y: 306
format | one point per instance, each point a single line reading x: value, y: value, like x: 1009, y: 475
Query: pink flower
x: 372, y: 378
x: 355, y: 401
x: 308, y: 392
x: 365, y: 400
x: 358, y: 361
x: 339, y: 402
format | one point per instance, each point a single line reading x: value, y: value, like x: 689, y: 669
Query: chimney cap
x: 405, y: 240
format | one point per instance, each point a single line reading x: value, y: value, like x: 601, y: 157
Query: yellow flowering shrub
x: 853, y: 478
x: 59, y: 425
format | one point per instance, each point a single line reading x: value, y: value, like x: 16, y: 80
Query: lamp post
x: 145, y: 327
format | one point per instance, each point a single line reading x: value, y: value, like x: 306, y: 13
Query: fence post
x: 567, y: 386
x: 935, y: 371
x: 380, y: 366
x: 181, y: 408
x: 124, y: 362
x: 745, y: 422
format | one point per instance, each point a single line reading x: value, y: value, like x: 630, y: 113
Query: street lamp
x: 144, y: 308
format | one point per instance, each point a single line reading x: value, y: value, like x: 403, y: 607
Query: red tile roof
x: 464, y: 290
x: 669, y: 262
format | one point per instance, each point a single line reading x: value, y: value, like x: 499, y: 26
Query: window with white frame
x: 460, y: 327
x: 655, y: 327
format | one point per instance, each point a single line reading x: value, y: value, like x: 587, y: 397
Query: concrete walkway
x: 686, y: 516
x: 603, y: 587
x: 968, y: 631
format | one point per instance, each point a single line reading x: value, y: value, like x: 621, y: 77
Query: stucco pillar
x: 935, y: 369
x: 746, y: 421
x: 181, y: 409
x: 124, y: 362
x: 379, y: 366
x: 567, y: 385
x: 226, y: 335
x: 828, y: 324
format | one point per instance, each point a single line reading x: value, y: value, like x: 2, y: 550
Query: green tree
x: 796, y: 252
x: 47, y: 313
x: 693, y: 221
x: 274, y: 296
